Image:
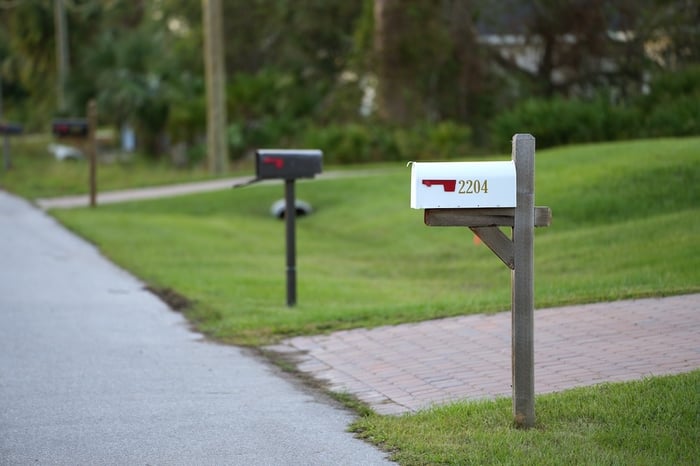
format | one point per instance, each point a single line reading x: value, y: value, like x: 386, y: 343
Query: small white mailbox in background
x: 462, y: 185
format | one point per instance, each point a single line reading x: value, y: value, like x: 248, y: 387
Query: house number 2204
x: 472, y: 186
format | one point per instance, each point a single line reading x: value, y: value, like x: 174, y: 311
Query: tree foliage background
x: 379, y: 77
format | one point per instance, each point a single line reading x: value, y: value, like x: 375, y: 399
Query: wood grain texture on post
x: 523, y: 300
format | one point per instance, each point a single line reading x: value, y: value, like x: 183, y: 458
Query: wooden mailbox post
x: 485, y: 196
x: 82, y: 133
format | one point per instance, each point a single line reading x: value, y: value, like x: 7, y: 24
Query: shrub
x: 352, y: 143
x: 251, y: 97
x: 677, y: 117
x: 244, y: 137
x: 672, y: 108
x: 357, y: 143
x: 559, y: 121
x: 670, y: 86
x: 673, y: 104
x: 447, y: 140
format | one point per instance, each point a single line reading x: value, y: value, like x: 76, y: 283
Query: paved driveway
x: 96, y: 370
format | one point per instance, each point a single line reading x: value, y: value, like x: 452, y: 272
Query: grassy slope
x: 625, y: 225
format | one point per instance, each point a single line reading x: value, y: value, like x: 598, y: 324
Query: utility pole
x: 62, y: 52
x: 215, y: 71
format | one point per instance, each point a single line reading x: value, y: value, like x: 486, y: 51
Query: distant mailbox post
x: 7, y: 130
x: 486, y: 196
x: 288, y: 165
x: 81, y: 132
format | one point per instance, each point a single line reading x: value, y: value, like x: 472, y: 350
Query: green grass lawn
x: 650, y: 422
x: 626, y: 223
x: 36, y: 174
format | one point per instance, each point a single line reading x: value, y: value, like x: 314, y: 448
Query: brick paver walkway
x: 413, y: 366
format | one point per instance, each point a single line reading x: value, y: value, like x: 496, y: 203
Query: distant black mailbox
x: 10, y: 129
x: 70, y: 128
x: 288, y: 164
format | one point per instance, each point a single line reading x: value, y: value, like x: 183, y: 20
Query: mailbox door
x: 288, y: 163
x: 462, y: 185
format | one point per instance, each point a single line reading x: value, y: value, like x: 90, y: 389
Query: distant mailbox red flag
x: 278, y: 162
x: 448, y: 185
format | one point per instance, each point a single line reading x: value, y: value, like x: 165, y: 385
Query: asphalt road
x: 96, y: 370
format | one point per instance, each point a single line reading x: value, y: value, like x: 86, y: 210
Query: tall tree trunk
x: 215, y: 71
x: 392, y: 88
x: 465, y: 55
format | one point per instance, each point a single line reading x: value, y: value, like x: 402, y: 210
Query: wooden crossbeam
x: 489, y: 217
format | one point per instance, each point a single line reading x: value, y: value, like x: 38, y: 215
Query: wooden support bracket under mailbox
x: 485, y: 224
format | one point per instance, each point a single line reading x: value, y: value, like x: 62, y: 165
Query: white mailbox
x: 462, y: 185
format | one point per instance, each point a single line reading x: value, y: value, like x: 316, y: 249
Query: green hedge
x: 352, y: 143
x: 671, y: 108
x: 558, y: 121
